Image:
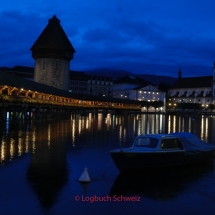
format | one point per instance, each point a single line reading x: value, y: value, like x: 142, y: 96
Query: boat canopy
x: 191, y: 142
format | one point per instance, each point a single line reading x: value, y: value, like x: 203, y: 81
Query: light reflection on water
x: 94, y: 127
x: 59, y: 150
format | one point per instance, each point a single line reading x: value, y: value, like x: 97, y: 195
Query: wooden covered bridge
x: 22, y: 98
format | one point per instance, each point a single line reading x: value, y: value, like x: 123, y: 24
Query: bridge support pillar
x: 3, y: 114
x: 105, y: 111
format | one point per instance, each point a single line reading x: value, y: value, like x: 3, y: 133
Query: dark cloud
x: 143, y: 37
x: 145, y: 44
x: 17, y: 36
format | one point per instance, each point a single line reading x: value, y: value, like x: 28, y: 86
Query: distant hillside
x: 115, y: 74
x: 157, y: 79
x: 109, y: 73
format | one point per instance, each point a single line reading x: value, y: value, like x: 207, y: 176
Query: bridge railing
x: 66, y: 102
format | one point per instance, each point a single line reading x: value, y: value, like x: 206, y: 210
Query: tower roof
x: 53, y: 42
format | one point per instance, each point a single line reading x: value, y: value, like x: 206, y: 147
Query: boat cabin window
x: 146, y: 142
x: 171, y: 143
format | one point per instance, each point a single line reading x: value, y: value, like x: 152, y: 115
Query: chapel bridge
x: 22, y: 98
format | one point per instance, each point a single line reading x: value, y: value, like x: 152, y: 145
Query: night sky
x: 148, y: 37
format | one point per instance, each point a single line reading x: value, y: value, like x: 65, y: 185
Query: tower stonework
x: 52, y: 52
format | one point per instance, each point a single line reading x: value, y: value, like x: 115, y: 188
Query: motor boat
x: 163, y: 150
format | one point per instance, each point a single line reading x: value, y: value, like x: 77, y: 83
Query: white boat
x: 163, y: 150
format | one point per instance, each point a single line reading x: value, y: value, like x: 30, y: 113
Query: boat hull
x: 143, y: 160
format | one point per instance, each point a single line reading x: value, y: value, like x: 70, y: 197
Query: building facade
x: 90, y: 84
x: 191, y: 90
x: 78, y: 82
x: 100, y: 86
x: 135, y: 88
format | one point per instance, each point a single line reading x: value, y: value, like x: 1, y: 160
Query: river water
x: 41, y: 162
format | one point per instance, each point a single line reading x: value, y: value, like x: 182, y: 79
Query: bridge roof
x: 18, y: 82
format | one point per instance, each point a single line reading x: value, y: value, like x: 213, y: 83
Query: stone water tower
x: 52, y: 52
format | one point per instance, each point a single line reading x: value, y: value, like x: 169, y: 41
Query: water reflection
x: 159, y: 183
x: 51, y: 144
x: 2, y: 150
x: 48, y: 173
x: 18, y: 139
x: 152, y: 124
